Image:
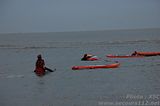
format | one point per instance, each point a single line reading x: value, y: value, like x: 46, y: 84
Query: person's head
x: 116, y: 62
x: 85, y: 55
x: 39, y: 56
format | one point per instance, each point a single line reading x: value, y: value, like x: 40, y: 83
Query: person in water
x: 135, y: 53
x: 86, y: 56
x: 40, y: 65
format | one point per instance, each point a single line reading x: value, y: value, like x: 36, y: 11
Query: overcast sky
x: 77, y: 15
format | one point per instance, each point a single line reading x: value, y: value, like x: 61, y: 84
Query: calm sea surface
x: 136, y: 80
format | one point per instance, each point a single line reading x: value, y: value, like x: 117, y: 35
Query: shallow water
x: 65, y: 87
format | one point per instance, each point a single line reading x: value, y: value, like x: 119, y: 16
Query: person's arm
x: 43, y: 63
x: 36, y: 63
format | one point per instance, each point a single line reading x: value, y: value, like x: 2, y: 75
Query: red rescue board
x: 114, y: 65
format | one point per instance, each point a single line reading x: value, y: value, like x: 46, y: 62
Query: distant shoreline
x: 82, y: 31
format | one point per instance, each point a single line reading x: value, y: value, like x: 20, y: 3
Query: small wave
x: 15, y: 76
x: 7, y: 46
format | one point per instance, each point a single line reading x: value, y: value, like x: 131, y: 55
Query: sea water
x: 135, y: 81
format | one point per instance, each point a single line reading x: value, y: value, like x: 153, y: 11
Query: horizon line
x: 116, y: 29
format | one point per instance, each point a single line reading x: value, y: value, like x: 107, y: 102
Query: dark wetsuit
x: 86, y: 57
x: 40, y: 63
x: 134, y: 54
x: 40, y: 66
x: 40, y: 69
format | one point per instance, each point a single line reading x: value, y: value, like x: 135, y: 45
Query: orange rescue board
x: 125, y: 56
x: 148, y: 53
x: 114, y: 65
